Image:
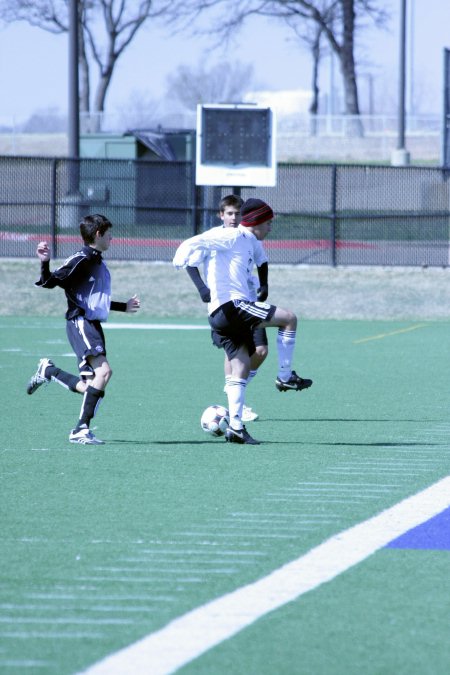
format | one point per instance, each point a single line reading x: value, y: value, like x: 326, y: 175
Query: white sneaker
x: 248, y: 415
x: 85, y: 437
x: 39, y: 377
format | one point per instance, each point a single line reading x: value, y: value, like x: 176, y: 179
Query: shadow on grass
x: 128, y: 441
x: 217, y: 442
x: 345, y: 419
x: 379, y: 444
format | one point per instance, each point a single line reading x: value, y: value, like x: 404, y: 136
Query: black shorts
x: 86, y: 339
x: 233, y: 324
x: 260, y: 337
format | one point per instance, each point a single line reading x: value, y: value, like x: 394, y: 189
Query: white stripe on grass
x: 344, y: 471
x: 351, y: 486
x: 24, y: 663
x: 40, y: 635
x: 156, y: 326
x: 94, y: 595
x: 142, y: 580
x: 14, y: 607
x: 65, y: 621
x: 187, y: 637
x: 167, y: 570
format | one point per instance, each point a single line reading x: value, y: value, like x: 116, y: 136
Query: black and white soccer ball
x: 215, y: 420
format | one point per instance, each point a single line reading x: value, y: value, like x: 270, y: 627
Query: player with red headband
x: 228, y: 254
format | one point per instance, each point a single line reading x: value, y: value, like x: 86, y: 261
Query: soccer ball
x: 215, y: 420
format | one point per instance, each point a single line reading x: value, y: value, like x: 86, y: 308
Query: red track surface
x: 289, y: 244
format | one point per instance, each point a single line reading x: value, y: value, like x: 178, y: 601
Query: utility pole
x: 411, y: 108
x: 400, y: 156
x: 74, y: 98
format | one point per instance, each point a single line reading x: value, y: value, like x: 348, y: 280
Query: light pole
x: 400, y: 156
x: 74, y: 106
x: 411, y: 108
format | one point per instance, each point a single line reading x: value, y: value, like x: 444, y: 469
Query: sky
x: 34, y: 63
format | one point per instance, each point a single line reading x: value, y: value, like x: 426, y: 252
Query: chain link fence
x: 325, y: 214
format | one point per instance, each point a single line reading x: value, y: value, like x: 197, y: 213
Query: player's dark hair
x: 230, y: 200
x: 92, y: 224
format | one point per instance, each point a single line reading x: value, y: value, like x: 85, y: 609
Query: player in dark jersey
x: 86, y: 281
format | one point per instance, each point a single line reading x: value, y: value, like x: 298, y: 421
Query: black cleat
x: 295, y: 383
x: 239, y: 436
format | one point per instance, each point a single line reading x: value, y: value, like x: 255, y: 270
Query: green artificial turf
x: 103, y: 545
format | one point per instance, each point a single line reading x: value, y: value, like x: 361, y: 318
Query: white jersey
x: 228, y: 255
x: 253, y: 281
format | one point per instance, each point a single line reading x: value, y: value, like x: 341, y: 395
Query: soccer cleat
x: 240, y: 436
x: 295, y: 383
x: 39, y: 376
x: 248, y: 415
x: 85, y: 437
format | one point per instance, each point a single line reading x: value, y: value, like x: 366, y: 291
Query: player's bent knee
x: 261, y: 352
x: 81, y: 386
x: 291, y: 320
x: 108, y: 375
x: 102, y: 376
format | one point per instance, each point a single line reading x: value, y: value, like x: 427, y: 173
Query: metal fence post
x: 333, y: 214
x: 194, y: 199
x: 53, y: 211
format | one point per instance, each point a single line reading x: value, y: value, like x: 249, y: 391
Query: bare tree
x: 46, y: 120
x: 313, y: 39
x: 335, y: 20
x: 107, y: 29
x: 222, y: 83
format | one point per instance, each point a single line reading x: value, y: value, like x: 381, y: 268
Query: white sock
x: 251, y: 375
x: 285, y: 348
x: 227, y: 381
x: 236, y: 395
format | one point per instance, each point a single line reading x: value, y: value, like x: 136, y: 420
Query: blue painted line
x: 433, y: 535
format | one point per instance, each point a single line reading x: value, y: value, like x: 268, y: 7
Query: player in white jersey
x: 229, y: 214
x: 229, y: 255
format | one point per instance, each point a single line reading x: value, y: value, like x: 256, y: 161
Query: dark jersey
x: 86, y: 281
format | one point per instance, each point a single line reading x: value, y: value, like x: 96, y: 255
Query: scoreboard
x: 235, y: 145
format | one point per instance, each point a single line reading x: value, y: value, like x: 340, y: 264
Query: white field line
x: 235, y: 523
x: 155, y: 326
x: 40, y: 635
x: 240, y: 534
x: 361, y: 472
x: 97, y: 596
x: 143, y: 580
x: 65, y: 622
x: 187, y: 637
x: 167, y: 570
x: 69, y: 608
x: 198, y: 552
x: 350, y: 486
x: 310, y: 500
x: 182, y: 564
x: 23, y: 663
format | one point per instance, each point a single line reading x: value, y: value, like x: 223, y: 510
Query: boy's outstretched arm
x: 43, y: 251
x: 200, y: 285
x: 133, y: 304
x: 263, y: 275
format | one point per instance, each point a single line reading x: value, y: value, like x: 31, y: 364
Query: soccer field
x: 106, y: 546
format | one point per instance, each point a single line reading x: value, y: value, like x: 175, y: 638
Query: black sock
x: 91, y: 400
x: 65, y: 379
